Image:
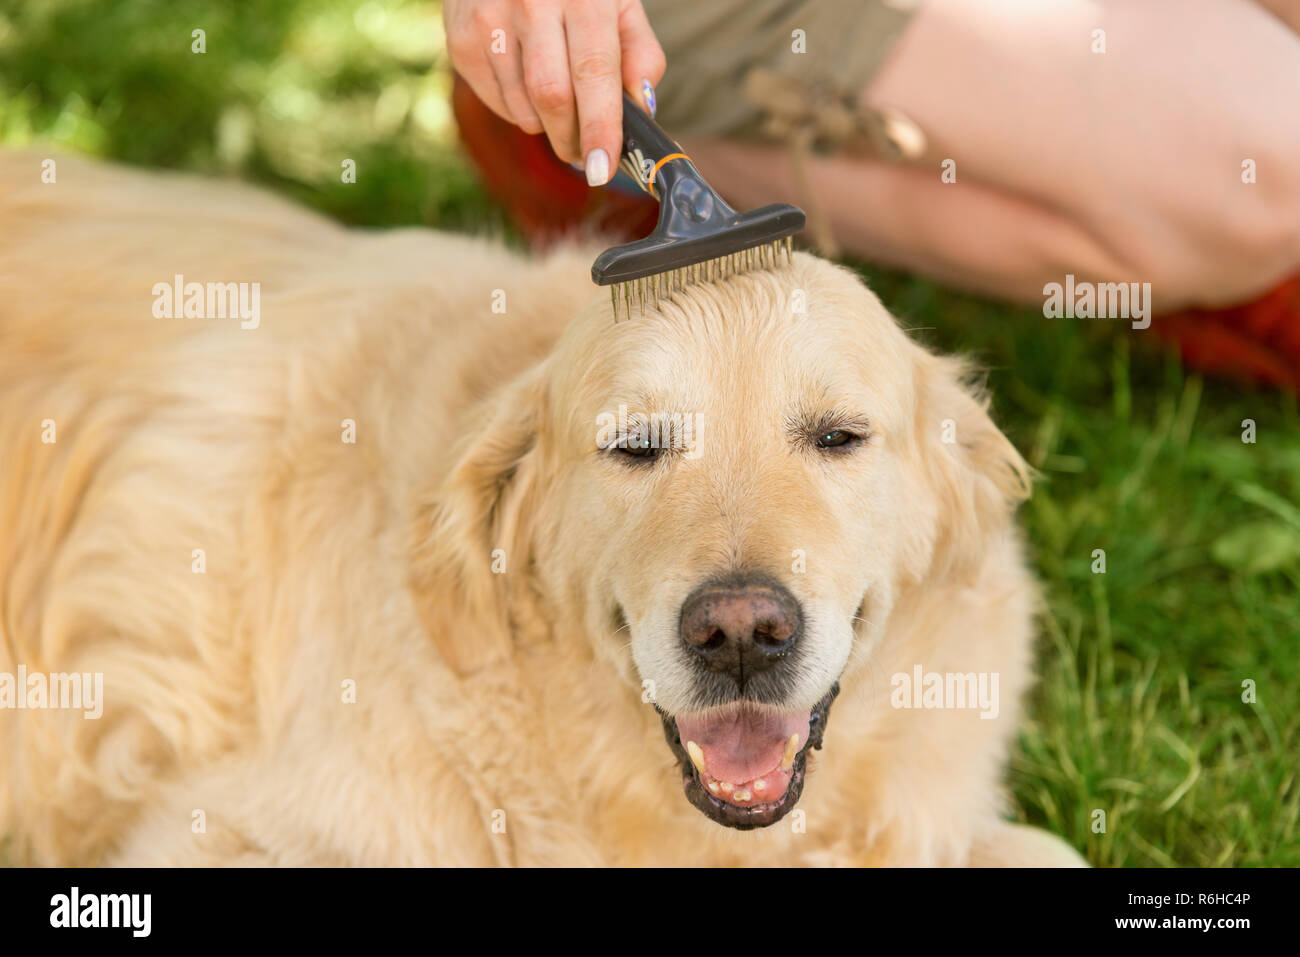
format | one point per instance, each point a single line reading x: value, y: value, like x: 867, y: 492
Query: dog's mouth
x: 743, y: 767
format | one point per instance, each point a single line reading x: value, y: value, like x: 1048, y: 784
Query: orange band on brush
x: 670, y: 156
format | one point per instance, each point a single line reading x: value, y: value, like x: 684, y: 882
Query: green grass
x: 1139, y: 713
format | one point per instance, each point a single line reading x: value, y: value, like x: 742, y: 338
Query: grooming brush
x: 699, y: 237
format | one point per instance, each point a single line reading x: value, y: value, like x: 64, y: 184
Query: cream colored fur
x: 481, y: 698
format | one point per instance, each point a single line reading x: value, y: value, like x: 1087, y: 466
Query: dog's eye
x: 637, y: 446
x: 836, y: 438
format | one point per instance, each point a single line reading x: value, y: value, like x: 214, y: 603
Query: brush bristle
x: 624, y: 295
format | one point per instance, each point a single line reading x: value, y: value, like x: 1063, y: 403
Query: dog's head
x: 733, y: 487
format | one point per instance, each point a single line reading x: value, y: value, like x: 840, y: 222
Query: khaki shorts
x: 761, y: 68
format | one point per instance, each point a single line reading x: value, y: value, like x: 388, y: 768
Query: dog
x: 406, y: 551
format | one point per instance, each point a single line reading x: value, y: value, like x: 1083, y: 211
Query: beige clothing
x: 739, y: 68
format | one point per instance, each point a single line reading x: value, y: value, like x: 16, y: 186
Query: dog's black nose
x: 741, y: 628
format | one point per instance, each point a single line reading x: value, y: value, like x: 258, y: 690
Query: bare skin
x: 1125, y: 165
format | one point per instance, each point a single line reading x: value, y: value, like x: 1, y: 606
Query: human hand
x: 559, y: 67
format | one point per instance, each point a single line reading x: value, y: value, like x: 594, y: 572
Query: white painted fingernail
x: 597, y: 168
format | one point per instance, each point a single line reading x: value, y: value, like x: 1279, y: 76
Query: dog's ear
x: 975, y: 476
x: 472, y: 548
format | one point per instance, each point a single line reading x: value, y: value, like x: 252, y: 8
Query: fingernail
x: 597, y: 168
x: 648, y: 94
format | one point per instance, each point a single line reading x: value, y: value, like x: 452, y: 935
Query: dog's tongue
x: 743, y: 746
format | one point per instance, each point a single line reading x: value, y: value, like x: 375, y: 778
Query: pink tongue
x: 741, y: 746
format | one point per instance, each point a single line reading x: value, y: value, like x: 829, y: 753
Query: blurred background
x: 1140, y: 712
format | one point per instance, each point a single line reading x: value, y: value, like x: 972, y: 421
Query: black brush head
x: 680, y: 240
x: 695, y: 224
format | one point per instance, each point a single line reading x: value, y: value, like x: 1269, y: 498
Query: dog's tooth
x: 713, y: 786
x: 727, y: 787
x: 742, y: 795
x: 791, y: 747
x: 697, y: 756
x: 760, y: 785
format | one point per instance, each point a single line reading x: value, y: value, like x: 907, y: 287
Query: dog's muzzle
x: 744, y: 767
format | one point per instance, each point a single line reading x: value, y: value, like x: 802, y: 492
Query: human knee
x: 1243, y: 229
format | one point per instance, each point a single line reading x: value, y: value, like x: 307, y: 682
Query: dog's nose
x: 741, y: 629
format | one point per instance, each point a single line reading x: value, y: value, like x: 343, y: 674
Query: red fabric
x: 544, y: 196
x: 1256, y: 342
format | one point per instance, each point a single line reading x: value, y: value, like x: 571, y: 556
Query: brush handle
x: 646, y: 148
x: 695, y: 224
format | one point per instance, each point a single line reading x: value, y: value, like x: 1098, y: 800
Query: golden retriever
x: 416, y: 556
